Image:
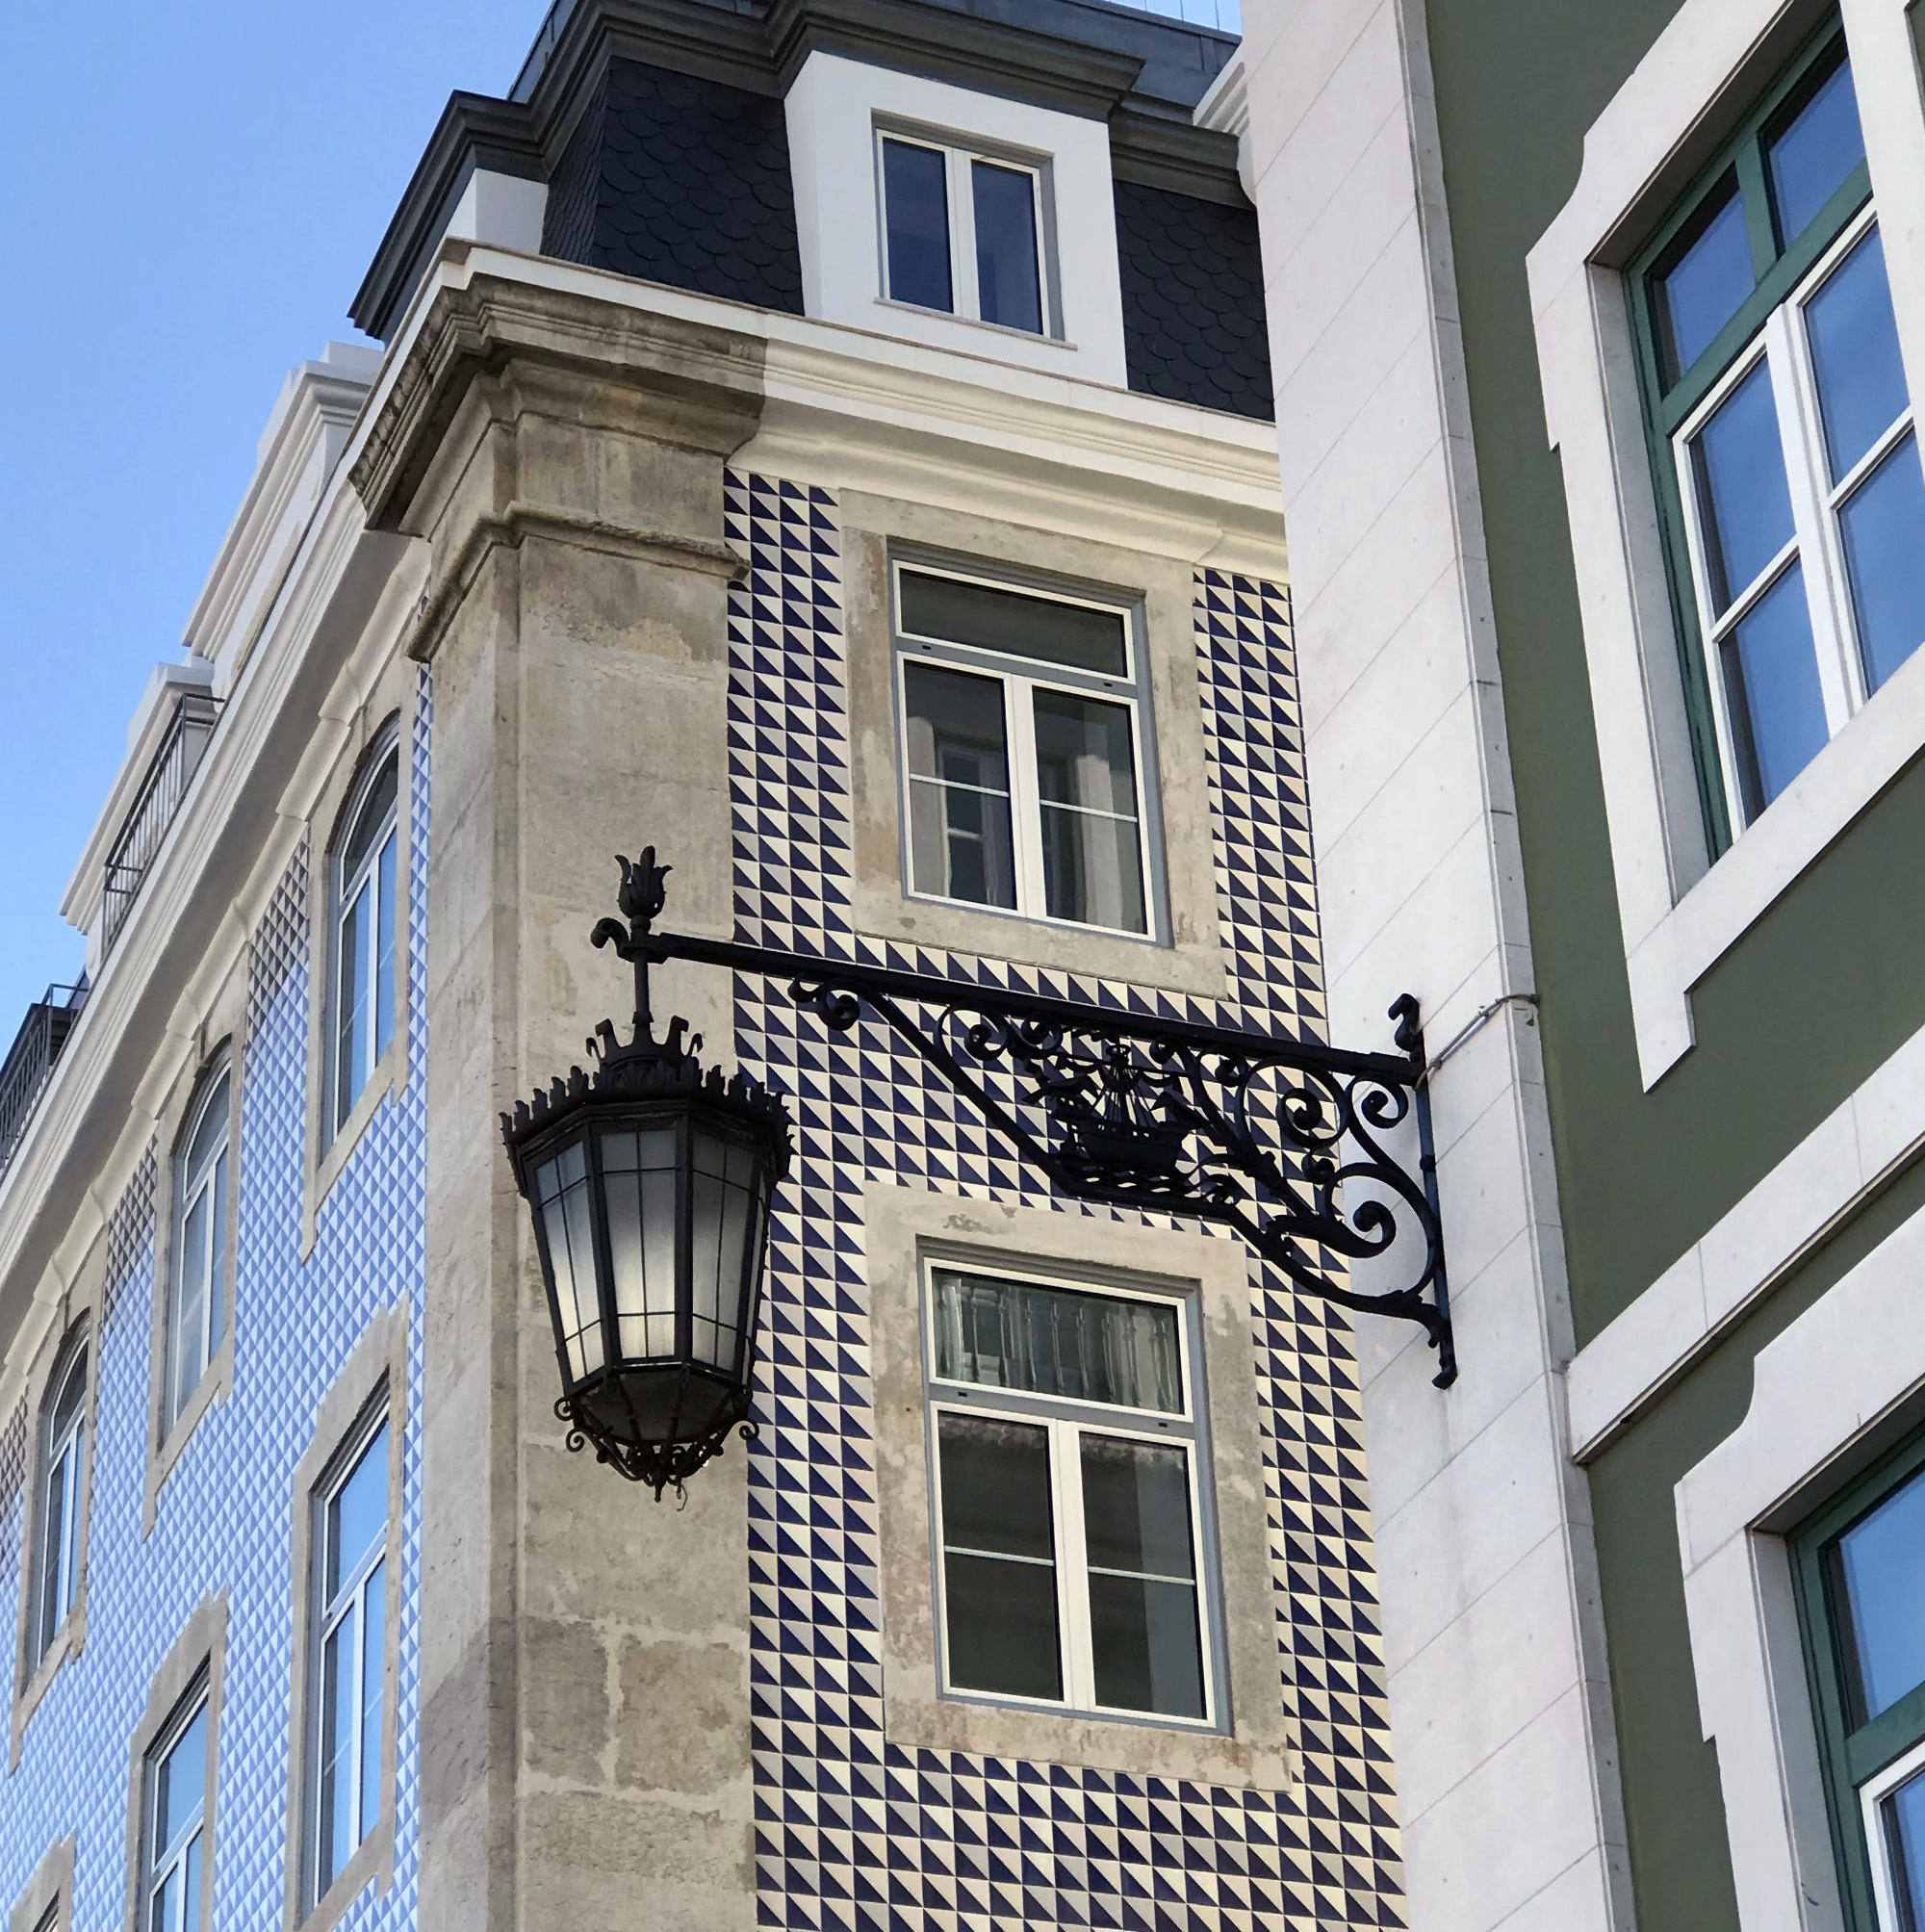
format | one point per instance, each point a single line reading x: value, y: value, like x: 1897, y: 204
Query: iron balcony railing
x: 161, y: 792
x: 30, y: 1061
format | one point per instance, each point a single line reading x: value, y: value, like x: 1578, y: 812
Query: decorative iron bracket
x: 1281, y: 1139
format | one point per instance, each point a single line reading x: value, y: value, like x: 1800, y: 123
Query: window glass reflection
x: 1880, y: 1566
x: 1809, y: 161
x: 1705, y: 284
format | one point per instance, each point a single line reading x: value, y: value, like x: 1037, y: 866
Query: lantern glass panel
x: 638, y: 1186
x: 561, y: 1188
x: 723, y: 1218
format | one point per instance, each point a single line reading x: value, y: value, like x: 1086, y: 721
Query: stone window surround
x: 903, y: 1226
x: 834, y: 108
x: 1830, y: 1394
x: 218, y: 1043
x: 376, y: 1371
x: 1134, y: 692
x: 199, y: 1654
x: 1163, y: 593
x: 389, y: 706
x: 45, y: 1903
x: 1681, y: 913
x: 32, y: 1680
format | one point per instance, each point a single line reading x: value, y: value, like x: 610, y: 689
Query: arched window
x: 62, y: 1428
x: 202, y: 1265
x: 362, y: 871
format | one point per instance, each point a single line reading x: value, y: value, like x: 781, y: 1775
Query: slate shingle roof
x: 1193, y: 301
x: 690, y: 186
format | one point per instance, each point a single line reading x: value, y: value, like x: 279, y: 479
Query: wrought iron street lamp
x: 649, y: 1182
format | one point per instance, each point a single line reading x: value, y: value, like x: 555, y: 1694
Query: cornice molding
x: 521, y: 520
x: 705, y: 378
x: 474, y: 131
x: 1166, y: 150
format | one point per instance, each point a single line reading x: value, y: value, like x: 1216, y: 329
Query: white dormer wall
x: 834, y: 109
x: 503, y: 210
x: 304, y: 437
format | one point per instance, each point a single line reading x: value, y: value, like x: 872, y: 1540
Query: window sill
x: 1812, y: 811
x: 1028, y: 335
x: 372, y: 1864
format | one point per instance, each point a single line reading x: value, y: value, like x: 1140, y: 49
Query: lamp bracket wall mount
x: 1287, y: 1142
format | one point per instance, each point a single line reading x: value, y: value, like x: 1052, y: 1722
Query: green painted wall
x: 1676, y: 1817
x: 1826, y: 987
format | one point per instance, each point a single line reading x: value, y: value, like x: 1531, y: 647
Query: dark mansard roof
x: 658, y: 127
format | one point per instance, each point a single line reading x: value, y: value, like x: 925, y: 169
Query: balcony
x: 30, y: 1062
x: 167, y: 776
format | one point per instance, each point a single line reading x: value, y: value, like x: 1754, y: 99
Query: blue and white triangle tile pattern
x: 855, y: 1833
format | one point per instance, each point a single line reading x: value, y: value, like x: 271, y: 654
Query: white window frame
x: 1066, y: 1421
x: 1816, y: 540
x: 1019, y: 678
x: 326, y: 1614
x: 1679, y: 914
x: 1871, y: 1793
x: 342, y: 890
x: 217, y: 1081
x: 959, y: 182
x: 59, y: 1543
x: 169, y: 1867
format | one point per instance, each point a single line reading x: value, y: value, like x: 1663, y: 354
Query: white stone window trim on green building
x: 1678, y: 913
x: 1832, y: 1395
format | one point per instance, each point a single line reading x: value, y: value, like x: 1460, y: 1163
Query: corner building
x: 830, y: 444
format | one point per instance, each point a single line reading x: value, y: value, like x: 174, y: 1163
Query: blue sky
x: 190, y: 194
x: 189, y: 197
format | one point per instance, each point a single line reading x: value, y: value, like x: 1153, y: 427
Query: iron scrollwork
x: 1286, y: 1142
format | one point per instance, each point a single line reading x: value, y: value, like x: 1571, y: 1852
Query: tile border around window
x: 873, y: 529
x: 45, y: 1903
x: 200, y: 1648
x: 33, y: 1679
x: 903, y: 1226
x: 1679, y: 915
x: 1832, y: 1395
x: 378, y: 1362
x: 392, y: 703
x: 165, y: 1443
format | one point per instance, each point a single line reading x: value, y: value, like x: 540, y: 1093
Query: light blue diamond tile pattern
x: 854, y: 1834
x: 225, y: 1515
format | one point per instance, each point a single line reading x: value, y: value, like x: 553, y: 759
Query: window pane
x: 209, y: 1133
x: 1855, y: 354
x: 358, y: 1512
x: 370, y: 819
x: 960, y: 840
x: 1145, y: 1636
x: 384, y: 964
x: 1000, y: 1620
x: 995, y: 1487
x: 1092, y: 865
x: 1704, y: 282
x: 180, y: 1783
x: 190, y: 1888
x: 191, y: 1308
x: 351, y: 999
x: 74, y: 1390
x: 1771, y: 684
x: 374, y: 1599
x: 1883, y: 522
x: 335, y: 1845
x: 217, y: 1285
x: 1737, y: 460
x: 1880, y: 1563
x: 53, y: 1580
x: 1008, y: 285
x: 1904, y: 1816
x: 1810, y: 159
x: 916, y: 196
x: 1057, y: 1341
x: 989, y: 619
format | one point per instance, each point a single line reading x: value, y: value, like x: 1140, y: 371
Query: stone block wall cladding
x: 854, y: 1835
x: 297, y: 1324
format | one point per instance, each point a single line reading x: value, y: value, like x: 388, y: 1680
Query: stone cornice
x: 701, y: 382
x: 1165, y: 150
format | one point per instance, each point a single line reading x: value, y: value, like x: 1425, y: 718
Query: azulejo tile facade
x: 225, y: 1514
x: 854, y: 1834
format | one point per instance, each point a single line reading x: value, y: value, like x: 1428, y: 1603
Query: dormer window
x: 963, y: 233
